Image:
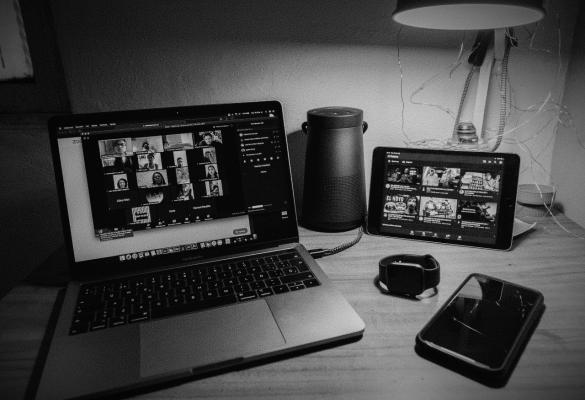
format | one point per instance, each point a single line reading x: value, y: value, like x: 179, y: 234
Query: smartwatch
x: 408, y: 274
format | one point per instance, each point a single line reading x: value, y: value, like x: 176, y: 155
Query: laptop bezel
x: 106, y: 266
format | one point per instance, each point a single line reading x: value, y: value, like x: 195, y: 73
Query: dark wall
x: 568, y: 161
x: 46, y: 92
x: 30, y: 226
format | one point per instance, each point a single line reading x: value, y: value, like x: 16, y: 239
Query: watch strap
x: 430, y: 268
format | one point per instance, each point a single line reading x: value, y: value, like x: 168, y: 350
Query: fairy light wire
x: 560, y: 114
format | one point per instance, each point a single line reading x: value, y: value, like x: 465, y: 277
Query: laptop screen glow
x: 140, y: 189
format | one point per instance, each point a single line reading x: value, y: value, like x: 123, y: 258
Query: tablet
x: 458, y: 197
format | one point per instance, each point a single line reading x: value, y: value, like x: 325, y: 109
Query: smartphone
x: 482, y: 329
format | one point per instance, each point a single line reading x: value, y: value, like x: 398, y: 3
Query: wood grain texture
x: 383, y: 363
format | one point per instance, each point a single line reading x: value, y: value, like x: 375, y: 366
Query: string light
x: 559, y: 115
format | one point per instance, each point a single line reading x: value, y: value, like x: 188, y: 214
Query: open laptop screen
x: 174, y: 183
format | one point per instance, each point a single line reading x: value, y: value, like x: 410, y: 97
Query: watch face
x: 405, y: 278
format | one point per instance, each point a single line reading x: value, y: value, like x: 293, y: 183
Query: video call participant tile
x: 152, y: 196
x: 139, y: 216
x: 209, y: 155
x: 148, y: 179
x: 180, y: 159
x: 115, y: 147
x: 183, y: 192
x: 113, y: 164
x: 179, y: 141
x: 209, y: 138
x: 211, y: 171
x: 118, y: 182
x: 148, y: 144
x: 149, y: 161
x: 182, y: 175
x: 213, y: 188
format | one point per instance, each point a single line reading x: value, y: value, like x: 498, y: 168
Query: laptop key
x: 268, y: 267
x: 225, y: 275
x: 79, y: 328
x: 175, y: 300
x: 280, y: 289
x: 99, y: 324
x: 89, y: 302
x: 193, y: 306
x: 248, y: 295
x: 275, y: 274
x: 264, y: 292
x: 297, y: 277
x: 273, y: 282
x: 117, y: 321
x: 159, y: 304
x: 104, y: 313
x: 229, y: 282
x: 191, y: 298
x: 138, y: 317
x: 303, y: 267
x: 242, y: 288
x: 258, y: 285
x: 311, y: 282
x: 290, y: 271
x: 287, y: 256
x: 260, y: 276
x: 210, y: 294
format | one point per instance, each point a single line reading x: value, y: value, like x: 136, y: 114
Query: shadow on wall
x: 297, y: 148
x: 324, y: 22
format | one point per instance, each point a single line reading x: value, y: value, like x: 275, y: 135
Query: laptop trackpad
x: 208, y: 337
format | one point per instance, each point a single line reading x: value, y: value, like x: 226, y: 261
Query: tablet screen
x: 447, y: 196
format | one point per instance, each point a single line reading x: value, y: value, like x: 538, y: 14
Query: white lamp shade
x: 467, y: 15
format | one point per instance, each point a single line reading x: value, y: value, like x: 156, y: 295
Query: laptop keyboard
x: 157, y: 295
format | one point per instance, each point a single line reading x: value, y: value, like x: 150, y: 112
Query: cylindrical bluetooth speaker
x: 334, y: 197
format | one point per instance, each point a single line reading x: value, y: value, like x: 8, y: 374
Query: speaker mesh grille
x: 336, y: 200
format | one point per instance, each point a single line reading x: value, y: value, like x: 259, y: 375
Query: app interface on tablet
x: 454, y: 198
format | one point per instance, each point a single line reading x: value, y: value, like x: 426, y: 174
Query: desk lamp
x: 491, y: 18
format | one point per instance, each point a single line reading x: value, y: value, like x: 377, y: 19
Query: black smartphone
x: 482, y: 329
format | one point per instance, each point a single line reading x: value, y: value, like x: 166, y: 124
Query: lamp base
x: 479, y: 145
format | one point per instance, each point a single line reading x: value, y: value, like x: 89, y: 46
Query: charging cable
x: 318, y: 253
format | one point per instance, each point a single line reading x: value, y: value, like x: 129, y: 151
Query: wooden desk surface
x: 383, y: 364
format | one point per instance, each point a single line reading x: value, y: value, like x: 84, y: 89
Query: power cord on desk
x: 318, y: 253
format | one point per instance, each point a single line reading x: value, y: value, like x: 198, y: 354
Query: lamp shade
x: 467, y: 14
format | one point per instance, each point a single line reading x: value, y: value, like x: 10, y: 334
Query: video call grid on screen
x: 456, y: 197
x: 86, y: 246
x: 156, y: 180
x: 235, y: 190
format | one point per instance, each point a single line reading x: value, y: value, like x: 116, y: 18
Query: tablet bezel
x: 506, y: 205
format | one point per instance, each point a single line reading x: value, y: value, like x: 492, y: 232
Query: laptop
x: 182, y: 239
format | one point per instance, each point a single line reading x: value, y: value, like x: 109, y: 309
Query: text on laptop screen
x: 147, y: 188
x: 455, y: 199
